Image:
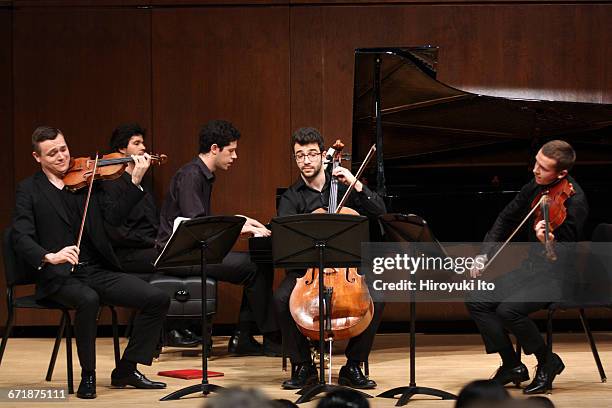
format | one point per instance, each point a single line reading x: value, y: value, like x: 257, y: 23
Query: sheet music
x: 175, y: 225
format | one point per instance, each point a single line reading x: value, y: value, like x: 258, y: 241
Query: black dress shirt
x: 74, y: 203
x: 140, y: 228
x: 188, y: 196
x: 301, y: 199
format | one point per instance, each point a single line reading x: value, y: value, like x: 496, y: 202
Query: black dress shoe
x: 303, y: 375
x: 87, y: 387
x: 190, y: 336
x: 136, y: 379
x: 244, y: 344
x: 352, y: 376
x: 505, y: 375
x: 545, y: 375
x: 175, y: 338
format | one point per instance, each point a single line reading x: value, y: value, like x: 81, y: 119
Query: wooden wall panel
x: 6, y: 135
x: 233, y: 64
x: 83, y: 71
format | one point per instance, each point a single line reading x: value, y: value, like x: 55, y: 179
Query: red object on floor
x: 188, y: 374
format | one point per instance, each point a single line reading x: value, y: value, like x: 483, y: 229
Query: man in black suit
x: 45, y: 227
x: 537, y: 282
x: 134, y: 240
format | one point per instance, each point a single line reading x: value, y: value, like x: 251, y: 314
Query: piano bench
x: 186, y: 295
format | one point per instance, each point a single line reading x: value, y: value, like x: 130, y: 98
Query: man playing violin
x: 134, y: 240
x: 309, y: 193
x: 45, y: 226
x: 536, y: 280
x: 189, y: 196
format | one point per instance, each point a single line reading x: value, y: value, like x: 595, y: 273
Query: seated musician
x: 134, y: 240
x: 310, y: 192
x: 189, y: 196
x: 536, y: 279
x: 45, y: 227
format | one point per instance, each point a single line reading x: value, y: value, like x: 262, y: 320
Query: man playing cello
x: 310, y: 192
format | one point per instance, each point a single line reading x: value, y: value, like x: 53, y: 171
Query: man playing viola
x: 310, y: 192
x: 45, y: 226
x: 536, y: 284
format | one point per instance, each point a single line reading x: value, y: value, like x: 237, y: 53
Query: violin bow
x: 542, y: 199
x: 93, y: 176
x: 359, y: 173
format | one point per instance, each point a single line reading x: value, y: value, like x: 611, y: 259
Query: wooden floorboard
x: 443, y: 361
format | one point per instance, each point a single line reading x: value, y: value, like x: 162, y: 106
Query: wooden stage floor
x: 443, y: 361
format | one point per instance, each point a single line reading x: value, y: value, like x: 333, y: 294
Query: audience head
x: 481, y: 393
x: 240, y: 398
x: 343, y: 399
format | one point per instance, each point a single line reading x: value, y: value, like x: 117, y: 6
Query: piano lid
x: 415, y: 106
x: 439, y: 144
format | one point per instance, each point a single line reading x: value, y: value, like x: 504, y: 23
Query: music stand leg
x: 309, y: 392
x: 205, y: 388
x: 407, y: 392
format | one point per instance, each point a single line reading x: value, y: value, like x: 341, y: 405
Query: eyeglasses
x: 312, y: 156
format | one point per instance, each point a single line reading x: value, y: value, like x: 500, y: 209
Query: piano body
x: 457, y: 158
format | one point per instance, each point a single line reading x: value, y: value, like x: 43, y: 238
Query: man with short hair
x: 134, y: 240
x: 537, y: 279
x: 45, y: 226
x: 310, y: 192
x: 189, y: 196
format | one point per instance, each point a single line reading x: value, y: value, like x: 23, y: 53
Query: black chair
x: 17, y: 273
x: 584, y: 297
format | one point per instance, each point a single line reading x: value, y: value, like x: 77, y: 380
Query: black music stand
x: 200, y: 241
x: 319, y: 240
x: 411, y: 228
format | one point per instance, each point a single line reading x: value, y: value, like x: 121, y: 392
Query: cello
x: 349, y: 307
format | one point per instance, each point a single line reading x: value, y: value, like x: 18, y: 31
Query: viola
x: 109, y: 167
x: 350, y: 307
x: 552, y: 210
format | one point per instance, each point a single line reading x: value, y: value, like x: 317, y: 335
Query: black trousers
x: 256, y: 305
x: 89, y: 286
x: 518, y: 294
x: 137, y: 260
x: 298, y: 348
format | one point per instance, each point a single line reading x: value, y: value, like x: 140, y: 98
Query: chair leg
x: 69, y: 373
x: 284, y: 355
x: 587, y: 331
x: 56, y: 346
x: 115, y: 335
x: 7, y: 331
x: 549, y: 330
x: 366, y: 368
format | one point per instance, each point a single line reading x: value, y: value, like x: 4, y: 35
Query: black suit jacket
x: 41, y: 225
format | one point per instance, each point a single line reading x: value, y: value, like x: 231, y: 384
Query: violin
x: 109, y: 167
x: 83, y: 171
x: 552, y: 210
x: 548, y: 205
x: 346, y: 297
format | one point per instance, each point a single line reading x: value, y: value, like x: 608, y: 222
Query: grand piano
x: 457, y: 158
